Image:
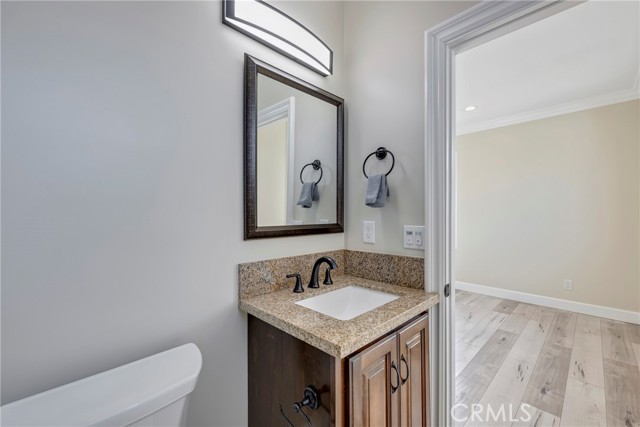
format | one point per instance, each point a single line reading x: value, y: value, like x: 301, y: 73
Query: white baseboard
x: 562, y: 304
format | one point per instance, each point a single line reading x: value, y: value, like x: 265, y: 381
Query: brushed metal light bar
x: 272, y: 27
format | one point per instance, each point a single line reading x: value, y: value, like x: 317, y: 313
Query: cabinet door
x: 374, y: 386
x: 414, y: 372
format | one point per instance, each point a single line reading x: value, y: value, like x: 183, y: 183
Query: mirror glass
x: 293, y: 155
x: 294, y: 130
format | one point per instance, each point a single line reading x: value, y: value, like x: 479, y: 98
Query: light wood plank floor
x: 571, y: 369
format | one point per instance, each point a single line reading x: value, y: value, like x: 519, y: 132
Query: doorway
x: 547, y: 148
x: 470, y: 29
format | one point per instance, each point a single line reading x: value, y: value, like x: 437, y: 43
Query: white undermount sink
x: 348, y: 302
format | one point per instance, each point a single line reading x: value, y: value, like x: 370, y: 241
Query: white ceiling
x: 583, y: 57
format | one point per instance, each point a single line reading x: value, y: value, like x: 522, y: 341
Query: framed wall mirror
x: 293, y: 155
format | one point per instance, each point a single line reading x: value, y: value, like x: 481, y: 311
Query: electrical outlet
x: 369, y: 231
x: 568, y: 284
x: 413, y: 237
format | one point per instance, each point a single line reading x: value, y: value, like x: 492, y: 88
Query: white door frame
x: 474, y: 26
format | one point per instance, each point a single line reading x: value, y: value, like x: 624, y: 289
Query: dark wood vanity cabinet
x: 413, y: 342
x: 389, y: 381
x: 280, y: 367
x: 385, y: 384
x: 372, y: 392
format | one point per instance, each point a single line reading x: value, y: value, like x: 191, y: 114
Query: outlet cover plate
x: 368, y: 231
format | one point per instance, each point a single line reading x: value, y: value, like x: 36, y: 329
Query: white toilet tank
x: 149, y: 392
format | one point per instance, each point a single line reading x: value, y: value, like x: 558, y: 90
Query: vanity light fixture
x: 271, y: 27
x: 469, y: 108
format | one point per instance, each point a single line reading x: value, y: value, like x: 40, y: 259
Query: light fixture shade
x: 273, y: 28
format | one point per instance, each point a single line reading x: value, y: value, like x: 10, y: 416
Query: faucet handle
x: 298, y: 288
x: 327, y: 277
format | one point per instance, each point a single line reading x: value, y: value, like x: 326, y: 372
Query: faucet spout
x: 313, y: 282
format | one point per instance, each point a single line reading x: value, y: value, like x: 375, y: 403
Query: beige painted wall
x: 384, y: 64
x: 554, y: 199
x: 271, y: 188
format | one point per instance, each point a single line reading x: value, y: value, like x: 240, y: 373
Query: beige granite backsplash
x: 263, y: 277
x: 394, y: 269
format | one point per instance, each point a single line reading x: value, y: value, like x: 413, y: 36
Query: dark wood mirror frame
x: 253, y: 67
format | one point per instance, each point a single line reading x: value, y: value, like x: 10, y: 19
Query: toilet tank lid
x: 117, y: 397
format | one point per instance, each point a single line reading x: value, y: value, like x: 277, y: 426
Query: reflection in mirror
x: 275, y: 153
x: 293, y: 155
x: 300, y: 129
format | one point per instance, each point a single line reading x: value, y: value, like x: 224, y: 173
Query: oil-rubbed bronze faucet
x: 313, y: 282
x: 298, y: 289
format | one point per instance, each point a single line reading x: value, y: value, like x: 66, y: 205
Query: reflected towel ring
x: 380, y: 153
x: 316, y: 165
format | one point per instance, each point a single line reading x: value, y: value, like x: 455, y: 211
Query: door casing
x: 479, y: 24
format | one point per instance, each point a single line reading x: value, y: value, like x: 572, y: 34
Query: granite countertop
x: 338, y: 338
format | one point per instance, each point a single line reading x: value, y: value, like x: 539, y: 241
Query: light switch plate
x: 413, y: 237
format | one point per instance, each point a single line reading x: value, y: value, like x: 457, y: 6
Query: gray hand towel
x: 308, y: 195
x: 377, y: 191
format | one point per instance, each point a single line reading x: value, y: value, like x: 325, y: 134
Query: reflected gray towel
x: 377, y: 191
x: 308, y: 195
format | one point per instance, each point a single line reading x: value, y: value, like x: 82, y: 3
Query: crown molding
x: 556, y: 110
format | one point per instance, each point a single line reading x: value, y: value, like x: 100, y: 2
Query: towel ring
x: 380, y: 153
x: 316, y: 165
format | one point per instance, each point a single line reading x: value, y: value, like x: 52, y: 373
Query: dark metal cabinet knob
x: 403, y: 360
x: 394, y: 388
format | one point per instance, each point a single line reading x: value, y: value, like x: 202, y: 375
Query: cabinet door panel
x: 414, y: 357
x: 265, y: 386
x: 373, y: 403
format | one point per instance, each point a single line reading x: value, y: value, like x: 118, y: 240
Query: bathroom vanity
x: 371, y: 370
x: 360, y: 343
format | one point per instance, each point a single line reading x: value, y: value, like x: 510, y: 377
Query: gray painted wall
x: 122, y: 198
x: 122, y: 177
x: 384, y: 65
